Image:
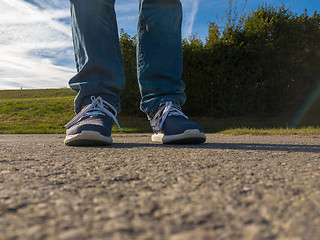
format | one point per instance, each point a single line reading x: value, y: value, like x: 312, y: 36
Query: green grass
x: 36, y: 93
x: 48, y: 110
x: 302, y: 131
x: 38, y: 115
x: 256, y: 126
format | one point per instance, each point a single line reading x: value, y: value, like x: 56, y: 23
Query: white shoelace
x: 167, y: 109
x: 98, y: 106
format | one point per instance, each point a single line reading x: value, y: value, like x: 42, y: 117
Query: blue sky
x: 35, y: 38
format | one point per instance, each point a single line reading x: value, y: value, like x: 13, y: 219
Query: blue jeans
x: 98, y: 54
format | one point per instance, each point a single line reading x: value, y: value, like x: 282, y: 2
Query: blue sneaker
x: 172, y: 126
x: 92, y: 125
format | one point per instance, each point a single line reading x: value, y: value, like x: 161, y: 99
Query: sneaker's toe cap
x: 177, y: 125
x: 96, y: 124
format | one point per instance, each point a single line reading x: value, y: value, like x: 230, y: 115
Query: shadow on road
x: 230, y: 146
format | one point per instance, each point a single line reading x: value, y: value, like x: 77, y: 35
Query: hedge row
x: 266, y: 61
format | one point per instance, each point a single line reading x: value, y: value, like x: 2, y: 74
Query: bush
x: 130, y: 97
x: 264, y: 62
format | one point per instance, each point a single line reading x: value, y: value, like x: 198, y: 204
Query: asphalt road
x: 232, y: 187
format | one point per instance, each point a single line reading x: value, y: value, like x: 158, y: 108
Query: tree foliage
x: 263, y: 61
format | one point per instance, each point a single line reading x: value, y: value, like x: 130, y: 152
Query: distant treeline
x: 265, y: 61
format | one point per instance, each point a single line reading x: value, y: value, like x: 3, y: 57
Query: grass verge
x: 48, y: 110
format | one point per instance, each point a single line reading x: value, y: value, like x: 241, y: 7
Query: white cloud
x: 191, y: 8
x: 36, y: 43
x: 32, y: 41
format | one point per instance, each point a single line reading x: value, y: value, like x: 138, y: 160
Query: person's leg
x: 100, y: 76
x: 160, y: 63
x: 159, y: 54
x: 97, y: 52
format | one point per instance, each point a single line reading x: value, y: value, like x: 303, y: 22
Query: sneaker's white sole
x: 191, y: 136
x: 87, y: 138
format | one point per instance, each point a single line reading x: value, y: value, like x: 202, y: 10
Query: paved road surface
x: 232, y: 187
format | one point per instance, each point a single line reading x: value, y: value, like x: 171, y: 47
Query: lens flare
x: 306, y: 106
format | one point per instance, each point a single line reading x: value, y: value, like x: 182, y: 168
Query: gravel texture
x: 232, y: 187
